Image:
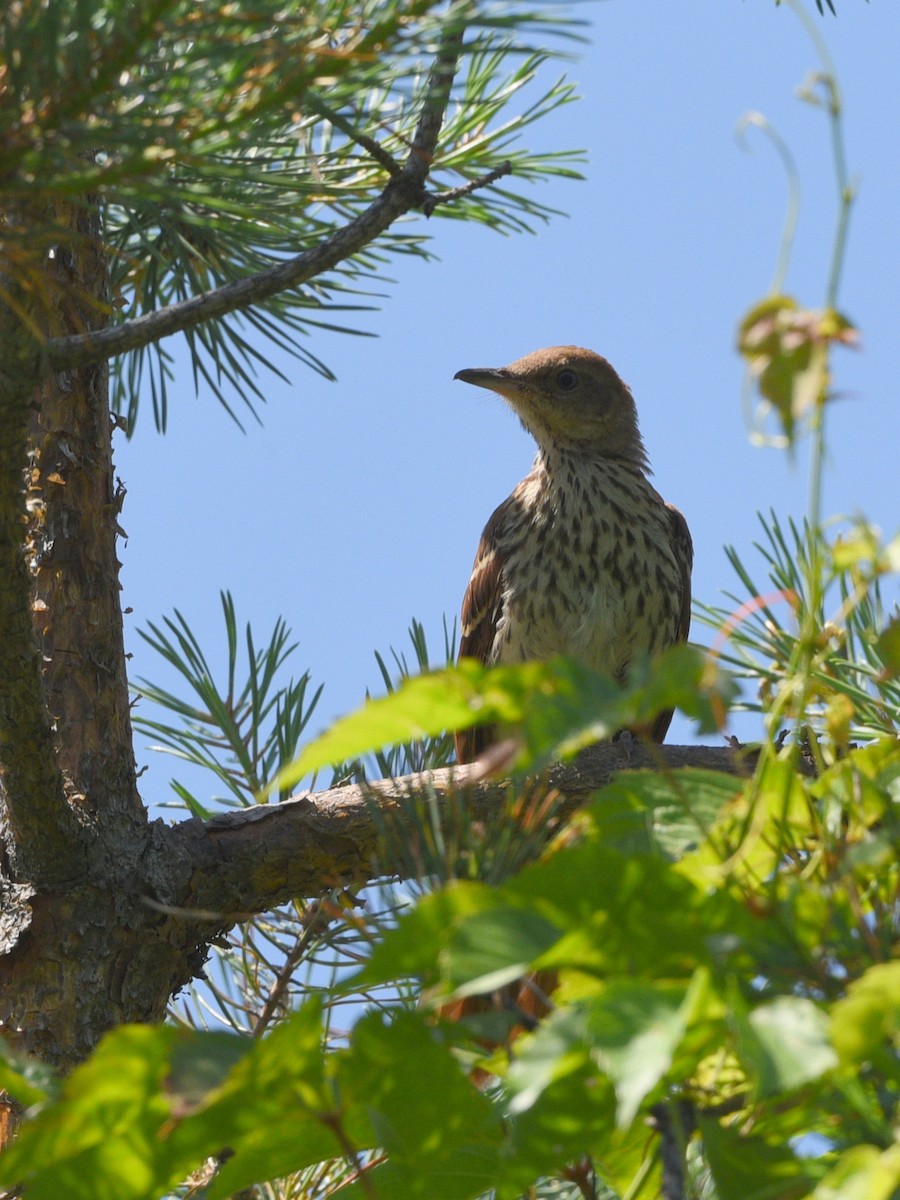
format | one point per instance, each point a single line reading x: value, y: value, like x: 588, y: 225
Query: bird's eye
x: 566, y: 380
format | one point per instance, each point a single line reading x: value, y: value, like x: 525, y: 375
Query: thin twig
x: 375, y: 149
x: 433, y: 199
x: 584, y: 1177
x: 361, y: 1174
x: 320, y: 916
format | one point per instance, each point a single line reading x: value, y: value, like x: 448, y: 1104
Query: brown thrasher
x: 584, y: 559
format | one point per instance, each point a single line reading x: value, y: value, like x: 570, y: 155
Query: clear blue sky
x: 358, y: 504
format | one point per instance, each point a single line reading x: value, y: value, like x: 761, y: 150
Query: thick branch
x: 403, y: 192
x: 248, y: 861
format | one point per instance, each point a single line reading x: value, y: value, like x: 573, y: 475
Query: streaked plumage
x: 585, y: 558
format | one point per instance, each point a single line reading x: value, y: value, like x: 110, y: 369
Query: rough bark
x: 37, y: 825
x: 72, y: 823
x: 73, y: 505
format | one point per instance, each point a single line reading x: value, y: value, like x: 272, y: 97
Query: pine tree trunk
x: 82, y: 948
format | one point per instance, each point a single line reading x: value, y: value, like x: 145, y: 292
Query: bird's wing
x: 684, y: 554
x: 683, y: 549
x: 484, y: 596
x: 481, y: 608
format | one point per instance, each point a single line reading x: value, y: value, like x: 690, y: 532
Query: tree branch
x: 404, y: 191
x: 248, y: 861
x: 675, y: 1122
x: 434, y: 199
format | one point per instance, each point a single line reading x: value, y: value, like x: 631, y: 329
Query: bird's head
x: 568, y: 398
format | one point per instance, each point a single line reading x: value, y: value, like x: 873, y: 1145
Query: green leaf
x: 747, y: 1167
x: 577, y: 707
x: 887, y: 647
x: 647, y: 812
x: 200, y: 1063
x: 442, y: 1135
x: 275, y: 1110
x: 425, y: 706
x: 563, y: 1118
x: 683, y: 677
x: 863, y: 1173
x: 628, y: 914
x: 559, y: 706
x: 494, y: 948
x: 26, y: 1080
x: 414, y: 946
x: 101, y: 1136
x: 790, y: 1045
x: 772, y: 816
x: 787, y: 349
x: 634, y: 1029
x: 865, y: 1024
x: 558, y: 1048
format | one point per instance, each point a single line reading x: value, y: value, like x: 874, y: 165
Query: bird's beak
x: 487, y: 377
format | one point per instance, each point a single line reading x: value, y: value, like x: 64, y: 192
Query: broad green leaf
x: 787, y: 348
x: 583, y: 907
x: 427, y: 705
x: 863, y: 1173
x: 581, y: 707
x: 558, y: 707
x: 747, y: 1167
x: 887, y: 646
x: 566, y: 1118
x: 26, y: 1080
x: 862, y: 545
x: 669, y: 814
x: 493, y: 948
x: 631, y: 1029
x: 442, y: 1135
x: 200, y: 1063
x: 558, y: 1048
x: 858, y: 788
x: 790, y: 1045
x: 687, y: 678
x: 865, y: 1024
x: 420, y: 937
x: 772, y: 816
x: 634, y: 1029
x: 629, y: 914
x: 101, y: 1136
x: 275, y: 1110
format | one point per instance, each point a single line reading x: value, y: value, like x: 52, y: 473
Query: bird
x: 584, y: 558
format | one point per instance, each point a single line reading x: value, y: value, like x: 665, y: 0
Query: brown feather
x: 684, y: 553
x: 480, y: 614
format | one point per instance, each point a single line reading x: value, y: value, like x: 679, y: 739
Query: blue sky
x: 358, y: 504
